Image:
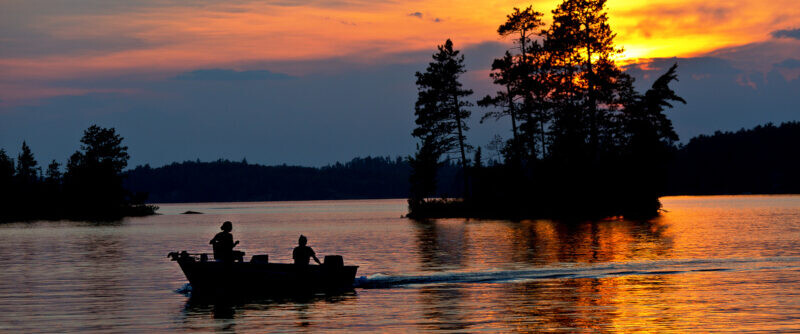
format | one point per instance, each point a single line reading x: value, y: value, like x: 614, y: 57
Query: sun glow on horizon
x: 165, y: 40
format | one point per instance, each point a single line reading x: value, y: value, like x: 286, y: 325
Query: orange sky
x: 167, y: 39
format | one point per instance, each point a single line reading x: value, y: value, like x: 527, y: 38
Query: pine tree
x: 53, y: 174
x: 7, y: 186
x: 6, y: 166
x: 478, y: 159
x: 503, y: 75
x: 424, y: 166
x: 26, y: 165
x: 527, y: 72
x: 580, y: 31
x: 94, y: 174
x: 440, y: 107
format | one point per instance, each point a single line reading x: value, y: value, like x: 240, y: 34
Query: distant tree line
x: 90, y: 188
x: 583, y: 140
x: 231, y: 181
x: 762, y: 160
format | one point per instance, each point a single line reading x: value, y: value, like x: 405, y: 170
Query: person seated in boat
x: 223, y: 243
x: 302, y: 253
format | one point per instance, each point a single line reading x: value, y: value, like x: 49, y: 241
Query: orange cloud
x: 167, y: 38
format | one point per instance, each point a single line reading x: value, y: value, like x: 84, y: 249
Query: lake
x: 708, y: 264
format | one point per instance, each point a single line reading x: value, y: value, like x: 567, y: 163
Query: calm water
x: 710, y: 264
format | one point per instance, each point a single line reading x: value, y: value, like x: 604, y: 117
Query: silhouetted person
x: 302, y: 253
x: 223, y: 243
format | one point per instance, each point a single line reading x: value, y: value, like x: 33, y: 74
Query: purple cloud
x: 786, y: 33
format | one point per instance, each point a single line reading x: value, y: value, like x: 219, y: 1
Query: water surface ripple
x: 708, y: 264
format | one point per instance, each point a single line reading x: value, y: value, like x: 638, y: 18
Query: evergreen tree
x: 478, y: 159
x: 526, y: 74
x: 583, y: 134
x: 580, y: 31
x: 26, y: 165
x: 53, y: 174
x: 424, y: 166
x: 440, y: 108
x: 503, y: 74
x: 649, y: 143
x: 7, y: 187
x: 6, y: 167
x: 94, y: 174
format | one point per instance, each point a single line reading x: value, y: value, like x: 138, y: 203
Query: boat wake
x: 662, y: 267
x: 185, y: 290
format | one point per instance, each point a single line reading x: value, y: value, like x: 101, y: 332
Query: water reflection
x: 586, y: 304
x: 442, y: 308
x: 441, y: 244
x: 451, y: 244
x: 296, y: 311
x: 709, y: 264
x: 102, y: 272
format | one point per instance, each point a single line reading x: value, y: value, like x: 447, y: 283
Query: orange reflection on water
x: 490, y: 244
x: 726, y: 282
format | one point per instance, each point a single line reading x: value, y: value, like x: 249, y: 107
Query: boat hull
x: 249, y: 278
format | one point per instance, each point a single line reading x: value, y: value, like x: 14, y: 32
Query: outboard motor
x: 333, y: 261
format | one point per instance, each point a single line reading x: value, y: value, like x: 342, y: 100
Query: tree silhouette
x: 94, y: 174
x: 526, y: 70
x: 7, y: 188
x: 91, y: 188
x: 26, y: 165
x: 582, y: 136
x: 424, y: 165
x: 6, y: 167
x: 503, y: 74
x: 582, y: 35
x: 440, y: 108
x: 53, y: 174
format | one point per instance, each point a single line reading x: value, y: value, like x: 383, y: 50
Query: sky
x: 312, y: 82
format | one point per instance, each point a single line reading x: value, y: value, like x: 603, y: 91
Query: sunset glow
x: 152, y: 37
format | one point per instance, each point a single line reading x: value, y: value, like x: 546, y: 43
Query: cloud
x: 419, y: 15
x: 665, y: 19
x: 721, y: 96
x: 321, y: 117
x: 230, y: 75
x: 789, y: 63
x: 759, y: 56
x: 786, y: 33
x: 347, y: 109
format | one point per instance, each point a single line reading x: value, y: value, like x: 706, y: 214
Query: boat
x: 260, y: 277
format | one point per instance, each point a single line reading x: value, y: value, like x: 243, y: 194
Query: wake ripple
x: 662, y: 267
x: 185, y: 290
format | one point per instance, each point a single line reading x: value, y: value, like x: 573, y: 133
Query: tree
x: 582, y: 135
x: 102, y: 147
x: 655, y: 101
x: 53, y: 174
x: 503, y: 74
x: 527, y: 72
x: 580, y: 31
x: 26, y: 165
x: 6, y: 166
x: 522, y: 24
x: 7, y: 191
x: 94, y: 174
x: 424, y: 165
x: 440, y: 108
x: 477, y: 161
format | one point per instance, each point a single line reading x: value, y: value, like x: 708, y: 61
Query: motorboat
x: 260, y: 277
